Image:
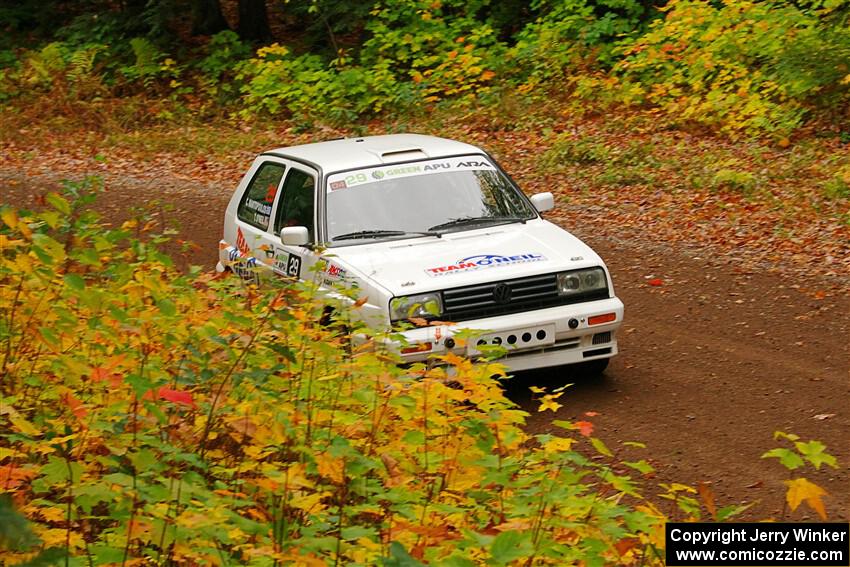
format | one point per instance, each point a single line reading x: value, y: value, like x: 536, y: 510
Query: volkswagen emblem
x: 502, y: 293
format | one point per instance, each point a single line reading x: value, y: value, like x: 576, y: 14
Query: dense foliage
x: 742, y: 67
x: 187, y: 419
x: 149, y: 415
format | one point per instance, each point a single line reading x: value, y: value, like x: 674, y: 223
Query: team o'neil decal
x: 484, y: 261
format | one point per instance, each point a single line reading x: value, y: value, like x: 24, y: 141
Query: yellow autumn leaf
x: 54, y: 514
x: 20, y: 423
x: 548, y: 402
x: 558, y: 445
x: 330, y: 468
x: 801, y: 490
x: 9, y: 217
x: 309, y: 502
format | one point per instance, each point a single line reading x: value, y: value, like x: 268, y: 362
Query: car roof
x: 369, y: 151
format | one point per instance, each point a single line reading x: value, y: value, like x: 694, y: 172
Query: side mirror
x: 294, y: 236
x: 543, y: 202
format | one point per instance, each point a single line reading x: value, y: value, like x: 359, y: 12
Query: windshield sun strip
x: 325, y: 176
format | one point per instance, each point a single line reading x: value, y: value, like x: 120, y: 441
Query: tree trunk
x: 254, y: 21
x: 207, y: 18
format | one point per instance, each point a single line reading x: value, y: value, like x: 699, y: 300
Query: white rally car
x: 432, y: 230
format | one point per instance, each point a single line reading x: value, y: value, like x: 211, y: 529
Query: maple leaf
x: 656, y: 282
x: 548, y: 403
x: 625, y: 545
x: 707, y: 496
x: 175, y: 396
x: 801, y: 490
x: 584, y: 427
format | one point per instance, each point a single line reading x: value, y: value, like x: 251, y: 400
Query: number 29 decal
x: 293, y: 266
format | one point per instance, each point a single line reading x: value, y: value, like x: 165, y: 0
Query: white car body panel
x: 383, y: 269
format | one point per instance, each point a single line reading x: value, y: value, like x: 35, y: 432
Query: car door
x: 295, y: 206
x: 254, y: 218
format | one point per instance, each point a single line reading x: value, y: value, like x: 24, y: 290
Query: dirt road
x: 713, y: 360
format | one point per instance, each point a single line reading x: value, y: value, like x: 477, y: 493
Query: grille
x: 602, y: 338
x: 523, y: 294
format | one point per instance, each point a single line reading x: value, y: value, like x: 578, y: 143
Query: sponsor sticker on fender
x: 484, y: 261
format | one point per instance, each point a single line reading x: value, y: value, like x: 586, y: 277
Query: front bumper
x: 533, y: 339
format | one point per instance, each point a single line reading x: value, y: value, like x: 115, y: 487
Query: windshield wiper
x: 476, y: 220
x: 377, y: 233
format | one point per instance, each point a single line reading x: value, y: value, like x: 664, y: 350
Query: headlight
x: 581, y: 281
x: 424, y: 305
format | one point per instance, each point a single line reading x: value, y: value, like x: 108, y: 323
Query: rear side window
x: 256, y: 205
x: 296, y: 204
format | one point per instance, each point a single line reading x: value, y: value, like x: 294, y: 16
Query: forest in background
x: 153, y: 415
x: 742, y: 68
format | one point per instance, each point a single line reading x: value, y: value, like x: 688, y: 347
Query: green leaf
x: 783, y: 435
x: 600, y: 447
x: 52, y: 218
x: 414, y: 437
x: 623, y: 484
x: 75, y: 281
x: 167, y: 307
x: 788, y: 458
x: 511, y: 545
x: 815, y: 453
x: 399, y: 557
x: 56, y: 471
x: 15, y: 532
x: 356, y: 532
x: 59, y: 203
x: 641, y: 466
x: 731, y: 511
x: 142, y: 459
x: 49, y: 336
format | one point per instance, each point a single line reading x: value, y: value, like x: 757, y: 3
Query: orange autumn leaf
x: 801, y: 490
x: 707, y: 496
x: 176, y: 396
x: 584, y: 427
x: 74, y: 404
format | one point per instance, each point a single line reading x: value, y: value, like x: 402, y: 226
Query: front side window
x: 296, y: 204
x: 424, y: 197
x: 256, y: 206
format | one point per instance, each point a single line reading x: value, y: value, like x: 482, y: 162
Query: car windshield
x: 418, y: 199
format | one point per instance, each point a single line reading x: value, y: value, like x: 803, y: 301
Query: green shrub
x: 150, y: 65
x: 303, y: 86
x: 838, y: 187
x: 741, y: 66
x: 567, y: 149
x: 572, y: 35
x: 440, y: 46
x: 149, y: 416
x: 733, y: 180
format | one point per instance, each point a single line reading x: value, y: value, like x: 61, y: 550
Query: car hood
x: 464, y: 258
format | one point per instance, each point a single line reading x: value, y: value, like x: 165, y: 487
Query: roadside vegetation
x: 183, y: 418
x: 155, y: 415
